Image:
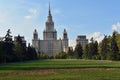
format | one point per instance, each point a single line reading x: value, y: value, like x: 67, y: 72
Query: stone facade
x: 50, y: 44
x: 82, y: 40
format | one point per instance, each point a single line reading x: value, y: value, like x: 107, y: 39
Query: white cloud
x: 28, y: 17
x: 33, y: 11
x: 116, y: 27
x: 96, y: 36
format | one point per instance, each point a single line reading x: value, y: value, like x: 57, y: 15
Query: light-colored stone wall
x: 51, y: 47
x: 82, y: 40
x: 35, y: 44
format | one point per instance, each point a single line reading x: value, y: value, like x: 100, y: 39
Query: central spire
x: 49, y: 17
x: 50, y: 33
x: 49, y: 9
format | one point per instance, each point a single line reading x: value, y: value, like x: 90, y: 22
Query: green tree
x: 92, y: 51
x: 8, y: 36
x: 78, y: 51
x: 18, y: 51
x: 31, y: 53
x: 91, y: 48
x: 86, y: 52
x: 70, y: 53
x: 95, y: 48
x: 8, y: 47
x: 42, y: 55
x: 23, y: 46
x: 61, y: 55
x: 95, y: 54
x: 2, y: 53
x: 114, y: 47
x: 105, y: 47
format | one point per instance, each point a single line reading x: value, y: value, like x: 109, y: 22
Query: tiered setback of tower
x: 50, y: 45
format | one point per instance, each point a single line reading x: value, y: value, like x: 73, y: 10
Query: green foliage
x: 96, y: 57
x: 95, y: 48
x: 8, y: 37
x: 8, y: 47
x: 18, y: 51
x: 78, y: 51
x: 61, y: 55
x: 31, y: 53
x: 13, y: 51
x: 6, y: 52
x: 105, y: 47
x: 114, y: 46
x: 91, y: 50
x: 70, y: 53
x: 2, y: 53
x: 118, y: 40
x: 42, y: 55
x: 86, y: 52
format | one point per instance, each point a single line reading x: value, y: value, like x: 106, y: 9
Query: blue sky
x: 93, y: 18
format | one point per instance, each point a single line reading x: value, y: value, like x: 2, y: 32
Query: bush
x: 42, y: 55
x: 96, y: 57
x: 61, y: 55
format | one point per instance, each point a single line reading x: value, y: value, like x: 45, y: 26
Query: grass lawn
x: 61, y: 70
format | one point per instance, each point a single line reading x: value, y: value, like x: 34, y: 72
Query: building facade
x: 50, y: 44
x: 81, y: 39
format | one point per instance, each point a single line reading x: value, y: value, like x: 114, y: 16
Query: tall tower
x: 50, y: 44
x: 35, y: 40
x: 49, y: 33
x: 65, y: 38
x: 35, y: 35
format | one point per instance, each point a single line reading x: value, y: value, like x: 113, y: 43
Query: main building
x: 50, y: 44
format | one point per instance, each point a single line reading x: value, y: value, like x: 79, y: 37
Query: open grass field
x: 61, y: 70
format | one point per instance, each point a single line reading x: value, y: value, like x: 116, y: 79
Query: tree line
x: 107, y: 49
x: 15, y: 51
